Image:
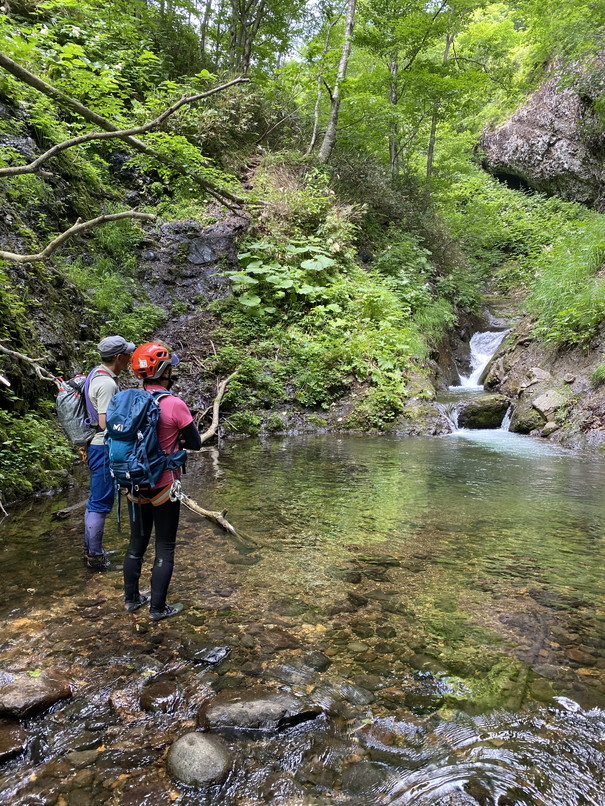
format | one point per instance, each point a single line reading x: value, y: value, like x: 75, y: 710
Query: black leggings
x: 165, y: 518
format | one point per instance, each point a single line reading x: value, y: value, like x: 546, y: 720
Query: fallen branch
x: 62, y: 514
x: 79, y: 226
x: 220, y: 194
x: 215, y: 517
x: 33, y: 167
x: 42, y: 374
x: 216, y: 405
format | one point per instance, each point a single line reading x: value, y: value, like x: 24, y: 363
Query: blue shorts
x: 102, y: 485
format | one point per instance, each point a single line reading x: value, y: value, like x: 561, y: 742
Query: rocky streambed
x: 378, y: 639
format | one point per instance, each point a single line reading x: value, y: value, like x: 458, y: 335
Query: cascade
x: 482, y: 348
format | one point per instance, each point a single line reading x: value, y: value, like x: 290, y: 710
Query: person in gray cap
x: 101, y: 386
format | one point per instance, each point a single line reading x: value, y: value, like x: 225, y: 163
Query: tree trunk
x: 433, y: 136
x: 324, y: 52
x: 330, y: 135
x: 204, y: 28
x: 394, y: 133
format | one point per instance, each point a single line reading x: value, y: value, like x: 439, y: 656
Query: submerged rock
x: 161, y: 694
x: 254, y: 709
x: 199, y: 760
x: 23, y: 695
x: 486, y: 411
x: 13, y: 740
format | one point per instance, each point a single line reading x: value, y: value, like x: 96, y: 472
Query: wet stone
x: 199, y: 760
x: 13, y: 740
x: 356, y: 695
x: 23, y: 695
x: 161, y: 694
x: 276, y: 639
x: 365, y: 777
x: 205, y: 653
x: 317, y: 661
x: 252, y: 710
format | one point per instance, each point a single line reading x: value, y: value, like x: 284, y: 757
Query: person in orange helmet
x: 153, y: 363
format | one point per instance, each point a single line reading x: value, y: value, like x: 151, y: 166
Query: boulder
x: 252, y: 710
x: 554, y: 142
x: 525, y: 419
x: 486, y: 411
x: 549, y: 402
x: 199, y: 760
x: 23, y: 694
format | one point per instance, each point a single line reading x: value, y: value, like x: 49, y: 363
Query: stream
x: 435, y: 604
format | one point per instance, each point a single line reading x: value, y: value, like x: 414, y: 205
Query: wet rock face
x: 22, y: 695
x: 199, y: 760
x: 13, y: 740
x: 486, y: 411
x: 554, y: 142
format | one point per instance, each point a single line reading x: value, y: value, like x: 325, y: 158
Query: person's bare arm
x: 103, y: 421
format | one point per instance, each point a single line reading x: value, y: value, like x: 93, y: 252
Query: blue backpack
x: 135, y: 457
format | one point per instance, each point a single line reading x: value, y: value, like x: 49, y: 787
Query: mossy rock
x: 525, y: 419
x: 486, y: 411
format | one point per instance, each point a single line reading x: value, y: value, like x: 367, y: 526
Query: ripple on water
x: 552, y: 756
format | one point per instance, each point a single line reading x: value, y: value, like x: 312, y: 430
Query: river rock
x: 13, y: 740
x: 199, y: 760
x: 549, y: 428
x: 549, y: 402
x: 23, y: 695
x: 161, y: 694
x: 365, y: 777
x: 253, y: 709
x: 486, y: 411
x: 525, y: 419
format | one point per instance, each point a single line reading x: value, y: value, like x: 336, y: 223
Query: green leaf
x: 250, y: 300
x: 317, y: 263
x: 36, y: 673
x: 307, y: 289
x: 286, y: 283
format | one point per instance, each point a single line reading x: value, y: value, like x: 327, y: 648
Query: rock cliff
x: 555, y: 143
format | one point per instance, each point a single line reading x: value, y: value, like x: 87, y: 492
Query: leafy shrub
x: 568, y: 297
x: 32, y: 449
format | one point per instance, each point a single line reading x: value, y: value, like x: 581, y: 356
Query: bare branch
x: 42, y: 374
x: 79, y: 226
x: 220, y: 391
x: 223, y: 196
x: 108, y: 135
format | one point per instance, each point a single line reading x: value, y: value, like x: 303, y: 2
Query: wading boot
x: 100, y: 562
x: 169, y: 610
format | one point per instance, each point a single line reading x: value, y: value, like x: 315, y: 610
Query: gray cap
x: 111, y: 346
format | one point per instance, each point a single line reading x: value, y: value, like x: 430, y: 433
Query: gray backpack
x: 75, y: 412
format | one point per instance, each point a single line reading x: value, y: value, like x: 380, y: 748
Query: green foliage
x: 32, y: 449
x: 568, y: 297
x: 244, y: 422
x: 504, y: 232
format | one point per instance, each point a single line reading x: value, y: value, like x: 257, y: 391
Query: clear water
x: 457, y: 582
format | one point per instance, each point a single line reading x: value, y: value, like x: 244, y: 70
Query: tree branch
x: 42, y: 374
x: 79, y: 226
x: 107, y: 135
x: 223, y: 196
x: 220, y: 392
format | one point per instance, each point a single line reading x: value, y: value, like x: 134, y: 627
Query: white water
x: 483, y: 346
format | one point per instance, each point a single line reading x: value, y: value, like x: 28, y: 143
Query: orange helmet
x: 151, y: 360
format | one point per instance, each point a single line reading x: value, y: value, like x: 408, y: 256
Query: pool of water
x: 454, y: 586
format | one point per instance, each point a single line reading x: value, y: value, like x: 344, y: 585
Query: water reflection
x: 450, y: 587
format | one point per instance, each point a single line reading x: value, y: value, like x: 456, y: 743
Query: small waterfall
x: 482, y: 346
x: 506, y: 421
